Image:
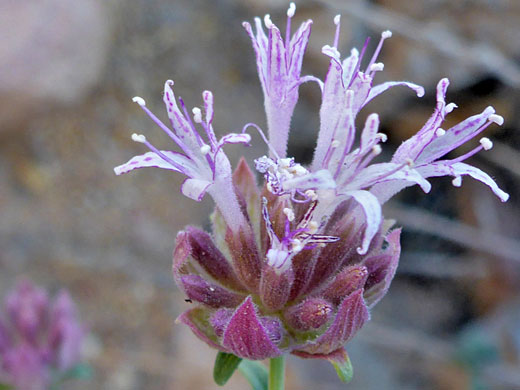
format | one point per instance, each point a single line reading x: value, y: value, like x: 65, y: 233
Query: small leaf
x: 343, y: 369
x: 255, y: 373
x: 5, y: 386
x: 225, y: 366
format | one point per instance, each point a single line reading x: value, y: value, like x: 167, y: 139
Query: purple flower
x: 38, y: 339
x: 295, y: 264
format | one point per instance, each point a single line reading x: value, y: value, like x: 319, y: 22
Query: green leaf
x: 225, y: 366
x: 5, y: 386
x: 79, y: 371
x: 255, y: 373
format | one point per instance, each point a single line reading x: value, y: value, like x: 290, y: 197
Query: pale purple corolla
x: 40, y: 339
x: 295, y: 265
x: 202, y: 160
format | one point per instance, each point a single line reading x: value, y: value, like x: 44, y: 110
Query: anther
x: 311, y: 194
x: 376, y: 150
x: 197, y: 115
x: 313, y: 227
x: 267, y: 21
x: 139, y: 100
x: 498, y: 119
x: 377, y: 67
x: 457, y: 182
x: 486, y: 143
x: 450, y: 107
x: 440, y: 132
x: 291, y: 10
x: 337, y: 19
x: 289, y: 214
x: 386, y: 34
x: 138, y: 138
x: 382, y: 137
x: 205, y: 149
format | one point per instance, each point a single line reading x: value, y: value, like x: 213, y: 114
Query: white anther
x: 205, y: 149
x: 409, y: 162
x: 197, y: 114
x: 212, y: 289
x: 296, y: 245
x: 285, y: 162
x: 139, y: 100
x: 450, y: 107
x: 486, y: 143
x: 377, y: 67
x: 382, y: 137
x: 457, y: 182
x: 334, y: 144
x: 499, y: 120
x: 267, y: 21
x: 337, y: 19
x: 313, y: 227
x: 298, y: 170
x: 291, y: 10
x: 386, y: 34
x: 138, y: 138
x: 311, y: 194
x: 377, y: 149
x: 289, y: 214
x: 440, y: 132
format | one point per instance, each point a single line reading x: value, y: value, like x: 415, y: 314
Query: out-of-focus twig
x: 437, y: 38
x: 489, y: 242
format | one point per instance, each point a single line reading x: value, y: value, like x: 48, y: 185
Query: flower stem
x: 277, y: 373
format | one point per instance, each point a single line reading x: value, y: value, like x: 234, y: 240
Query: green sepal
x: 343, y: 367
x: 255, y: 373
x: 225, y: 366
x: 5, y: 386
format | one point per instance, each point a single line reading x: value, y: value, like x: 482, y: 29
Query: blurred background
x: 68, y: 71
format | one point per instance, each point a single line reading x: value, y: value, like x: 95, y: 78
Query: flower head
x: 295, y: 264
x: 39, y: 339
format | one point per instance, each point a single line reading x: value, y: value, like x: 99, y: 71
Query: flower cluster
x: 295, y: 265
x: 39, y: 340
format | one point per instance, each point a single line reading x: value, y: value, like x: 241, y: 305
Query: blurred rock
x: 52, y: 52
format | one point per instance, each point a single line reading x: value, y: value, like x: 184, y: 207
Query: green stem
x: 277, y: 373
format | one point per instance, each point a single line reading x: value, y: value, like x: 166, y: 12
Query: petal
x: 351, y: 316
x: 233, y: 138
x: 247, y: 337
x: 151, y: 159
x: 195, y: 253
x: 369, y: 133
x: 195, y: 188
x: 297, y: 47
x: 198, y: 289
x: 379, y: 89
x: 444, y: 168
x: 198, y: 319
x: 454, y: 137
x: 316, y: 180
x: 374, y: 293
x: 372, y: 209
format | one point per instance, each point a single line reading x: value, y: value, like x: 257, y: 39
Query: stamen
x: 138, y: 138
x: 498, y: 119
x: 449, y: 108
x: 337, y: 22
x: 271, y: 148
x: 289, y: 214
x: 440, y: 132
x: 197, y: 114
x: 382, y: 136
x: 384, y: 35
x: 377, y: 67
x: 486, y: 143
x: 291, y: 10
x: 376, y: 150
x: 139, y: 100
x: 268, y: 22
x: 457, y: 181
x: 311, y: 194
x: 205, y: 149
